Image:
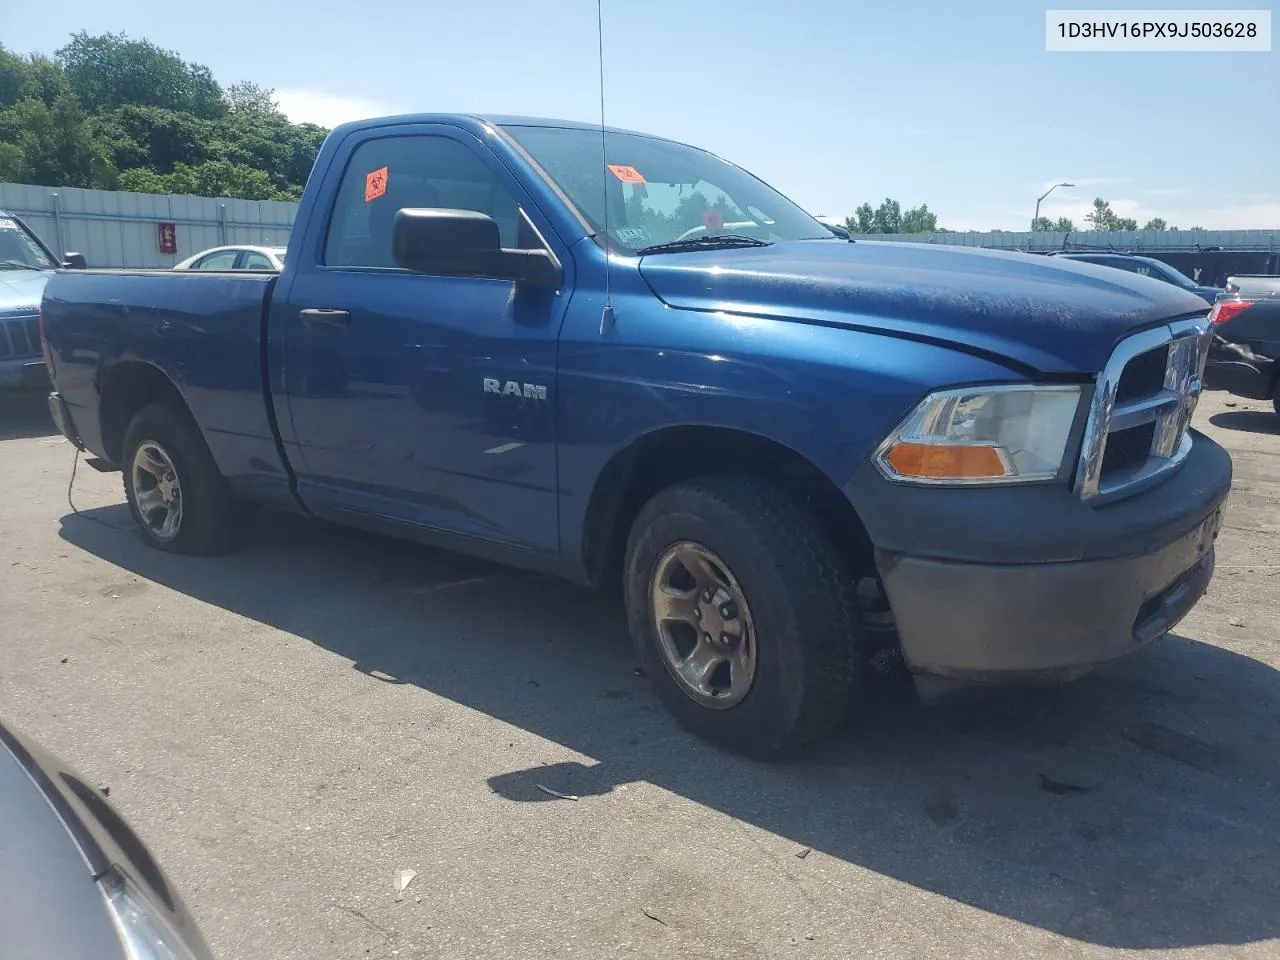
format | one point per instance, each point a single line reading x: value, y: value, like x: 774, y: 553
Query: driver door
x: 388, y: 374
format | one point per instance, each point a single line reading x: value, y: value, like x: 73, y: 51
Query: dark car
x: 1147, y: 267
x: 1244, y: 357
x: 26, y: 265
x: 75, y: 880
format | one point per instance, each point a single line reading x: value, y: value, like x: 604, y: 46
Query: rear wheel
x: 175, y: 492
x: 743, y: 614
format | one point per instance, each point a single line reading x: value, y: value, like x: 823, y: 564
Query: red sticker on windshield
x: 625, y: 173
x: 375, y: 184
x: 712, y: 220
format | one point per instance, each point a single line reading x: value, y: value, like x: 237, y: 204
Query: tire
x: 802, y: 611
x: 170, y: 443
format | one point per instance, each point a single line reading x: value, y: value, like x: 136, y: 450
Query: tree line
x: 1101, y: 217
x: 890, y: 218
x: 114, y: 113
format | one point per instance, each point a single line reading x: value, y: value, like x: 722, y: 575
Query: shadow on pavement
x: 1248, y: 421
x: 1136, y: 808
x: 25, y: 415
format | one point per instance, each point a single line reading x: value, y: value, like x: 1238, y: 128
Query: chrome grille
x: 1142, y: 407
x: 20, y: 337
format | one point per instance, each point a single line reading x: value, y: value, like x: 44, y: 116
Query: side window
x: 223, y: 260
x: 253, y: 260
x: 388, y: 174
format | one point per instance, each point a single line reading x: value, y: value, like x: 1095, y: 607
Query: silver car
x: 236, y: 257
x: 75, y: 880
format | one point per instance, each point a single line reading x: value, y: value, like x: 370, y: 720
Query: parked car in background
x: 221, y: 259
x: 1253, y: 285
x: 1147, y: 267
x: 1244, y: 357
x: 75, y: 880
x: 25, y: 267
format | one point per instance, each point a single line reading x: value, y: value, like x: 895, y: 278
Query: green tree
x: 919, y: 220
x: 109, y: 108
x: 1101, y: 217
x: 215, y: 178
x: 865, y: 219
x: 140, y: 136
x: 249, y: 98
x: 888, y: 217
x: 1061, y: 225
x: 1156, y: 223
x: 55, y: 145
x: 110, y: 70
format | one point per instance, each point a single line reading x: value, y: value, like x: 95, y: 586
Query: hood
x: 20, y: 290
x: 1053, y: 315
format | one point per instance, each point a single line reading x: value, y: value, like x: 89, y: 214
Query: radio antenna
x: 607, y: 317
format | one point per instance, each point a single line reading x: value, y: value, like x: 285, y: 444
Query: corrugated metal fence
x: 117, y: 229
x: 1129, y: 241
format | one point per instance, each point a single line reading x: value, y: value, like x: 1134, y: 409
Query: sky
x: 954, y: 103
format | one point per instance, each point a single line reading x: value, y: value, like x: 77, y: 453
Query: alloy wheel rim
x: 705, y: 633
x: 157, y: 491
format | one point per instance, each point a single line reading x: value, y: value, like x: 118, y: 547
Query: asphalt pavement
x: 291, y: 726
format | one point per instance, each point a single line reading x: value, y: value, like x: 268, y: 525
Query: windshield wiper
x: 17, y: 264
x: 722, y: 241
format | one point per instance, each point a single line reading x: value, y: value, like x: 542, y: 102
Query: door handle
x: 320, y: 317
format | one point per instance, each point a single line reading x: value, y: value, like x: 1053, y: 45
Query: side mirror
x: 74, y: 261
x: 464, y: 243
x: 840, y: 232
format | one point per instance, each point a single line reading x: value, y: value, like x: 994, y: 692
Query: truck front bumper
x: 1034, y: 583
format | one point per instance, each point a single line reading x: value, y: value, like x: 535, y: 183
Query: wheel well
x: 674, y: 454
x: 128, y: 388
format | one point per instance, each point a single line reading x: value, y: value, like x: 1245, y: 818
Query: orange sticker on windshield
x: 375, y: 184
x: 625, y: 173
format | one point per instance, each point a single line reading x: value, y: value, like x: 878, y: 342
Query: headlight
x: 977, y: 435
x: 144, y: 932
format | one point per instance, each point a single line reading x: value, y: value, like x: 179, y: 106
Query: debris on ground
x: 557, y: 793
x: 652, y: 917
x: 402, y: 879
x: 1236, y: 622
x: 804, y: 852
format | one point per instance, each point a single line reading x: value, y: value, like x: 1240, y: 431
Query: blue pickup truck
x: 623, y: 360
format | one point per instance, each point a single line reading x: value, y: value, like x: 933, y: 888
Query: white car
x: 221, y: 259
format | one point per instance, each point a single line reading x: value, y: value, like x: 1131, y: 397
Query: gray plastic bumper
x: 980, y: 618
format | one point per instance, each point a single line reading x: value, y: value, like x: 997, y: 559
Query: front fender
x: 829, y: 394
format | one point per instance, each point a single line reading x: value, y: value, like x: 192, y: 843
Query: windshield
x: 19, y: 250
x: 662, y: 192
x: 1172, y: 274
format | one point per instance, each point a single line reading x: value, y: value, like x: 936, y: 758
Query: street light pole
x: 1042, y: 196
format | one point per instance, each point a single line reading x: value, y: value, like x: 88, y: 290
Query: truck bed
x: 205, y: 331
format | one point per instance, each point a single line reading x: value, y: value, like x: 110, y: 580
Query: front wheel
x: 178, y: 498
x: 743, y: 613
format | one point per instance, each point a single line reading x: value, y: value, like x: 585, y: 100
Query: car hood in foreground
x: 1048, y: 314
x: 58, y: 835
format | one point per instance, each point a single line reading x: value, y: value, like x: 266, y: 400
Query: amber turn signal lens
x: 936, y: 461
